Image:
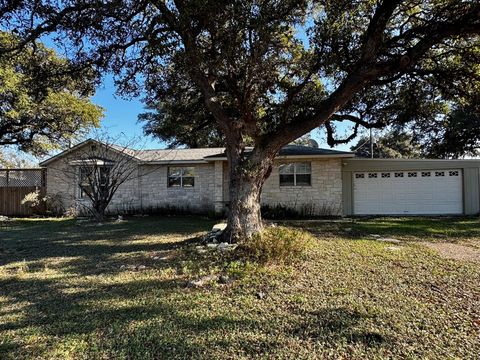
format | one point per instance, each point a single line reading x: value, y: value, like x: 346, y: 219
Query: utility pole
x: 371, y: 143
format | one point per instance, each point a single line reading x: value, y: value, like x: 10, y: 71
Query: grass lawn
x: 119, y: 291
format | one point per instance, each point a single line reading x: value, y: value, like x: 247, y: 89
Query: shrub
x: 277, y: 245
x: 33, y: 199
x: 307, y: 210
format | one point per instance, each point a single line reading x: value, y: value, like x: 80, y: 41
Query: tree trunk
x: 247, y: 176
x: 98, y: 210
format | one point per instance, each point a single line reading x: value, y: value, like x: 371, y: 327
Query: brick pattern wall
x: 323, y: 197
x: 148, y: 188
x: 62, y: 179
x: 156, y: 193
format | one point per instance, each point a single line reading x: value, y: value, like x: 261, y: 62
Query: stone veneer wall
x: 323, y: 197
x: 148, y: 188
x: 61, y: 182
x: 156, y: 193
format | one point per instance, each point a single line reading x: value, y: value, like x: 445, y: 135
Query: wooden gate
x: 15, y: 184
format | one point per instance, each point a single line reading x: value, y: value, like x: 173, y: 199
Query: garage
x: 414, y: 192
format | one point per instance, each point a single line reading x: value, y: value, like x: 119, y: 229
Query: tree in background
x: 268, y: 72
x: 453, y: 136
x: 16, y: 159
x: 44, y: 98
x: 392, y: 144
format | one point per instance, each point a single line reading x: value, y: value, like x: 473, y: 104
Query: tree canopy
x: 392, y: 144
x: 455, y: 135
x: 45, y: 100
x: 268, y: 71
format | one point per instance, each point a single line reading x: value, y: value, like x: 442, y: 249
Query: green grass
x: 67, y: 291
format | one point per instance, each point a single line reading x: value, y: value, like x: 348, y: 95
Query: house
x: 312, y: 180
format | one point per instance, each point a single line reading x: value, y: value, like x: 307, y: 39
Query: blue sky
x: 121, y: 117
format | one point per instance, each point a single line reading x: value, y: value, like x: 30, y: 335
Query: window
x: 385, y: 175
x: 412, y: 174
x: 372, y: 175
x: 91, y: 177
x: 181, y: 177
x: 359, y: 176
x: 439, y: 173
x: 295, y: 174
x: 426, y: 173
x: 399, y: 174
x: 453, y: 173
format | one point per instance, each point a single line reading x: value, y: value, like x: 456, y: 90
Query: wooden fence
x: 15, y: 184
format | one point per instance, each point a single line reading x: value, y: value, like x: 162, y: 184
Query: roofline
x: 417, y: 160
x: 321, y: 156
x: 204, y: 160
x: 73, y: 148
x: 166, y: 162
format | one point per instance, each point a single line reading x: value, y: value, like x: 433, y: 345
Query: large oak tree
x: 44, y: 99
x: 269, y: 71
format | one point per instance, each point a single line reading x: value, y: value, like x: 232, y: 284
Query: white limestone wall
x: 148, y: 188
x: 62, y: 180
x: 156, y: 193
x: 323, y: 197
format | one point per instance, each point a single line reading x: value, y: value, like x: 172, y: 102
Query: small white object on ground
x: 219, y: 227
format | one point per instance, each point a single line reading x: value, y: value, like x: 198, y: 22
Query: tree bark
x: 248, y: 173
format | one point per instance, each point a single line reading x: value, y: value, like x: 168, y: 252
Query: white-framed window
x: 295, y: 174
x: 92, y: 175
x: 181, y: 176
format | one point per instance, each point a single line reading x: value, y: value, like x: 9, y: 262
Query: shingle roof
x: 300, y: 150
x: 203, y: 154
x: 307, y: 150
x: 176, y: 154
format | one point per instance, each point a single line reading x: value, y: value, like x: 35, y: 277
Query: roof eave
x: 168, y: 162
x: 73, y: 148
x: 324, y: 156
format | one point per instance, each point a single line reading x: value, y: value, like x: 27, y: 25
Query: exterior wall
x: 156, y: 193
x: 323, y: 197
x: 62, y: 183
x: 470, y: 169
x: 148, y: 188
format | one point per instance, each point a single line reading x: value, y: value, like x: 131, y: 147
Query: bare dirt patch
x: 455, y: 251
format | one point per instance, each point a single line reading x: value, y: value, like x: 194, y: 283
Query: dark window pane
x: 188, y: 182
x: 304, y: 179
x: 287, y: 180
x: 174, y: 182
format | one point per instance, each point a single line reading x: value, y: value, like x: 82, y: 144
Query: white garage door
x: 408, y: 192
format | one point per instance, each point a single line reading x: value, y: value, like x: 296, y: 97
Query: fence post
x: 7, y: 176
x: 44, y: 178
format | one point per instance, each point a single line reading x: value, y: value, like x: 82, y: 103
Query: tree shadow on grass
x: 42, y: 240
x: 339, y: 325
x: 162, y: 326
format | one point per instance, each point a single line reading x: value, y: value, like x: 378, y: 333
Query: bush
x: 308, y: 210
x: 277, y: 245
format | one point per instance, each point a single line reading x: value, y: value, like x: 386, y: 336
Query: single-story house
x: 315, y: 181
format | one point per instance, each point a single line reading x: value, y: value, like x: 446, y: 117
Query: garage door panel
x: 408, y: 192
